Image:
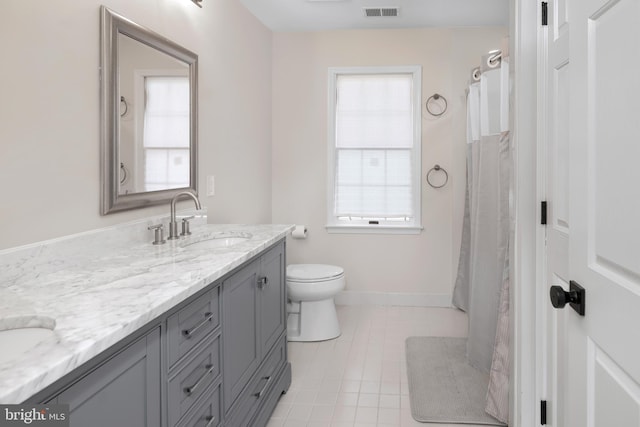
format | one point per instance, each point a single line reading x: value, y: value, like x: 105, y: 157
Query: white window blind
x: 166, y: 132
x: 374, y: 150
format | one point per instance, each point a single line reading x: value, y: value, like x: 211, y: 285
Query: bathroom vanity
x: 193, y: 335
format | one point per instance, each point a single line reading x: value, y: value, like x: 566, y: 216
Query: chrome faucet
x: 173, y: 225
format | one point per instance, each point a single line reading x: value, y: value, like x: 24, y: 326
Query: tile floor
x: 360, y: 378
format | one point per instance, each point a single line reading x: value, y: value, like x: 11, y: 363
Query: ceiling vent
x: 380, y: 11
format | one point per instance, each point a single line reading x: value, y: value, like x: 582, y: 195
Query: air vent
x: 381, y: 11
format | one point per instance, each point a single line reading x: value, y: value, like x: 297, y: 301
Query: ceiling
x: 320, y: 15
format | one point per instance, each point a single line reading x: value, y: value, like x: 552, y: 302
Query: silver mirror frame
x: 113, y: 24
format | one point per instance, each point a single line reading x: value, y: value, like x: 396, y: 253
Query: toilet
x: 311, y: 312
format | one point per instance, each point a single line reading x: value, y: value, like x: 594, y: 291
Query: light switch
x: 211, y: 185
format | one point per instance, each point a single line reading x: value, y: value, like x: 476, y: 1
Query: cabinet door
x: 241, y: 340
x: 272, y: 298
x: 124, y: 391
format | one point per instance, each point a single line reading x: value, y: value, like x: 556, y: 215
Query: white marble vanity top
x: 99, y: 289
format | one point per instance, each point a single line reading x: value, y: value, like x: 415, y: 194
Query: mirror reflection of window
x: 166, y: 122
x: 149, y: 78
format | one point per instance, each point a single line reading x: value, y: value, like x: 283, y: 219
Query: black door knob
x: 575, y: 297
x: 560, y: 297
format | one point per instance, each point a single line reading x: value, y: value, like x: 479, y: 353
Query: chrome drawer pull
x: 211, y: 420
x: 189, y: 332
x: 190, y: 390
x: 259, y: 394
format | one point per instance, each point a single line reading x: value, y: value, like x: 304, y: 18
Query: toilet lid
x: 313, y: 272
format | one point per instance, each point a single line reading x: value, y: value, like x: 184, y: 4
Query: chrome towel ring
x: 124, y: 174
x: 433, y: 99
x: 126, y: 106
x: 437, y: 168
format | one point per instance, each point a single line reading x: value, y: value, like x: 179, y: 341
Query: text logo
x: 34, y: 415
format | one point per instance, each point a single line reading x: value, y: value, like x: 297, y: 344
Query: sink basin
x: 16, y: 342
x: 218, y: 241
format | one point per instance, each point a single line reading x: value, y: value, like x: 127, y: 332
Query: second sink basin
x: 223, y: 240
x: 16, y: 342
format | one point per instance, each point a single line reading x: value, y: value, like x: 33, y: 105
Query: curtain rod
x: 493, y: 60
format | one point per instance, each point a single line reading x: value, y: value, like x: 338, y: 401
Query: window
x: 164, y: 130
x: 374, y: 149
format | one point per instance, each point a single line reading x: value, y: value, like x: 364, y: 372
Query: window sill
x: 373, y: 229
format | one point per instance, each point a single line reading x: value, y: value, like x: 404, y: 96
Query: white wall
x: 49, y: 111
x: 422, y: 266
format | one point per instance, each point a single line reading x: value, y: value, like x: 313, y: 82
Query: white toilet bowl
x: 311, y: 310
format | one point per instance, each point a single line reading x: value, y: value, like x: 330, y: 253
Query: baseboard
x: 393, y: 298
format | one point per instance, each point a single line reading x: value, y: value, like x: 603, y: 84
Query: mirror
x: 149, y: 116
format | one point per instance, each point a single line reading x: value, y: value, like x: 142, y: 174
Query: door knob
x: 575, y: 297
x: 560, y: 297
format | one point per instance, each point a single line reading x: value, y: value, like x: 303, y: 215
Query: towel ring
x: 433, y: 98
x: 123, y: 175
x: 438, y: 168
x: 126, y: 106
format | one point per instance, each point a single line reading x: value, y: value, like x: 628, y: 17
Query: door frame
x: 527, y: 236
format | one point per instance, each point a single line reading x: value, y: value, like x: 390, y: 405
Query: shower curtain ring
x: 437, y: 168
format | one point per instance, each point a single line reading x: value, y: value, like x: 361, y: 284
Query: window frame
x: 362, y: 226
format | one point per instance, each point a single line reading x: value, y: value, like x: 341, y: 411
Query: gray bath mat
x: 443, y: 387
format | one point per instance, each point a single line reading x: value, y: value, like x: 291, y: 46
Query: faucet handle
x: 158, y: 234
x: 185, y: 225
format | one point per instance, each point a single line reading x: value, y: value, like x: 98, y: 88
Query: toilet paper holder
x: 299, y: 232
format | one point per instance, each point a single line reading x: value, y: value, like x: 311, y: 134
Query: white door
x: 557, y: 197
x: 600, y: 357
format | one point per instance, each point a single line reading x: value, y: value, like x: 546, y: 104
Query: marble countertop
x: 98, y: 293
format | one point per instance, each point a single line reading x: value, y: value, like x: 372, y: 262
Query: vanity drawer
x: 207, y: 411
x: 187, y: 327
x: 193, y: 379
x: 259, y: 387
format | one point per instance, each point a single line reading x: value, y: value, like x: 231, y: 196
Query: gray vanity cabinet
x: 253, y: 331
x: 217, y: 359
x: 129, y: 381
x: 273, y: 298
x: 240, y: 330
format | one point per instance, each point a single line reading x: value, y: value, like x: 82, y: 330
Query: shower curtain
x: 482, y: 284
